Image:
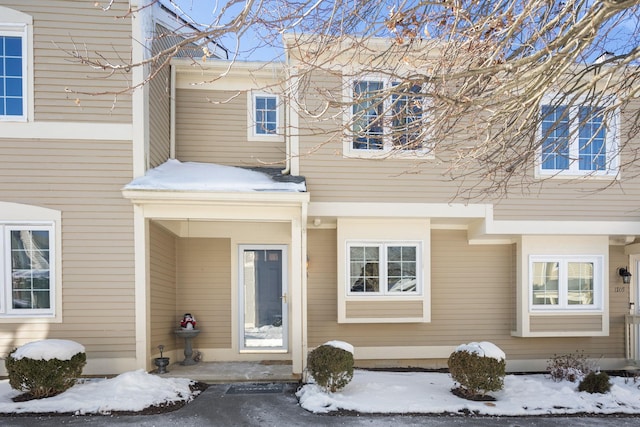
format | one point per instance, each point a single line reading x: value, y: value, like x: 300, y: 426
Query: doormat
x: 256, y: 388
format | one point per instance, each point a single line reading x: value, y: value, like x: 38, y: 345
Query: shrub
x: 43, y: 378
x: 571, y: 367
x: 477, y: 374
x: 595, y: 383
x: 331, y: 367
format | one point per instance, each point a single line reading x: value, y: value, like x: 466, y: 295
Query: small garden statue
x: 188, y: 321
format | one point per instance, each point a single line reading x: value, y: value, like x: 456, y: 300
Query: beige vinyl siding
x: 564, y: 323
x: 163, y: 289
x: 64, y: 26
x: 83, y: 180
x: 211, y: 126
x: 160, y: 101
x: 334, y: 178
x: 472, y: 299
x: 204, y: 288
x: 384, y: 309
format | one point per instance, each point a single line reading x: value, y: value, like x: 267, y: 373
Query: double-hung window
x: 578, y: 140
x: 385, y: 268
x: 265, y: 115
x: 566, y: 282
x: 28, y: 276
x: 385, y: 117
x: 13, y: 64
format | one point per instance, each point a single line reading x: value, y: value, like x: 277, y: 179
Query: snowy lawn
x: 420, y: 392
x: 131, y: 391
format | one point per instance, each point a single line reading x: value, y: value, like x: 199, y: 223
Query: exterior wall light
x: 624, y: 273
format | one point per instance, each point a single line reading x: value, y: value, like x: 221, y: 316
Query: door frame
x: 284, y: 299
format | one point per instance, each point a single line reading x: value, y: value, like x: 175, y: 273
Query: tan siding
x: 384, y: 309
x: 82, y: 179
x: 204, y: 289
x: 472, y: 299
x: 63, y: 26
x: 163, y: 288
x: 565, y: 323
x: 160, y: 106
x: 211, y: 126
x: 333, y: 178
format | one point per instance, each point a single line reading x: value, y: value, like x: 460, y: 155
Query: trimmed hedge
x: 477, y: 375
x: 331, y: 367
x: 44, y: 378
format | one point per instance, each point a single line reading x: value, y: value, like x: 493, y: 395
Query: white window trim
x: 15, y: 23
x: 14, y: 214
x: 388, y: 151
x: 252, y: 135
x: 563, y: 306
x: 383, y: 261
x: 6, y: 308
x: 612, y: 142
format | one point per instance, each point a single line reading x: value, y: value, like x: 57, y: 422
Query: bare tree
x: 489, y: 89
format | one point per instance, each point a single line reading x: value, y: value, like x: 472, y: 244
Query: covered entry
x: 235, y: 261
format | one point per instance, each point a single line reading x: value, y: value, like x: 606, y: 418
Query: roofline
x: 193, y: 27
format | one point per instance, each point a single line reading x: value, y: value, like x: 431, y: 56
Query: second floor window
x: 266, y: 114
x: 385, y: 117
x: 577, y: 140
x: 12, y: 75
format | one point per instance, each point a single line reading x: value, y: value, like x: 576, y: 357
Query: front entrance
x: 263, y: 297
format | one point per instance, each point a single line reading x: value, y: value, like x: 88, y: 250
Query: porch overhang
x: 227, y: 206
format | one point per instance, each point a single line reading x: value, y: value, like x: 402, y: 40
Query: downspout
x: 287, y: 137
x: 172, y: 114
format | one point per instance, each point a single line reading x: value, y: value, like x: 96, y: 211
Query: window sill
x: 387, y: 154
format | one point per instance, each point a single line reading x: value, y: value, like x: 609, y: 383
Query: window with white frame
x: 578, y: 140
x: 386, y: 116
x: 384, y: 268
x: 566, y: 282
x: 28, y: 279
x: 15, y: 64
x: 265, y: 115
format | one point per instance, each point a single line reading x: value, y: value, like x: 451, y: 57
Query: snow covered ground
x: 425, y: 392
x: 369, y: 392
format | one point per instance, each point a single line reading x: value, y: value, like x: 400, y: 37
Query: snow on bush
x: 479, y: 368
x: 45, y: 368
x: 331, y: 365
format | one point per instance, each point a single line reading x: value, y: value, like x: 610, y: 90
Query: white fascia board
x: 67, y: 130
x: 202, y: 197
x: 490, y: 231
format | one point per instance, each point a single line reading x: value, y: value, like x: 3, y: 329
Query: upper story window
x: 566, y: 282
x: 386, y: 268
x: 12, y: 72
x: 578, y: 140
x: 28, y: 280
x: 16, y: 46
x: 386, y: 117
x: 266, y: 114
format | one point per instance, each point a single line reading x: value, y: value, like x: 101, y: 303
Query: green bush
x: 44, y: 378
x: 331, y: 367
x: 595, y: 383
x: 477, y: 375
x: 571, y: 367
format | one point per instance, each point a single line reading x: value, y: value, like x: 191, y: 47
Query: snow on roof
x: 483, y: 349
x: 49, y: 349
x: 193, y: 176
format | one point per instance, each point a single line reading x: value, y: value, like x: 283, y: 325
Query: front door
x: 263, y: 297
